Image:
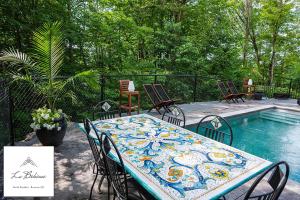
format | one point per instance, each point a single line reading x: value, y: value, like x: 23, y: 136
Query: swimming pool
x: 273, y: 134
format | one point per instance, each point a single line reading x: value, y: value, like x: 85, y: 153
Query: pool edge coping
x: 243, y: 111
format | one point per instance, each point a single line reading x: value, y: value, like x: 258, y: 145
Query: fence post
x: 102, y: 81
x: 155, y: 78
x: 11, y: 124
x: 195, y: 88
x: 290, y: 88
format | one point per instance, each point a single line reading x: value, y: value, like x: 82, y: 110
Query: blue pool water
x: 272, y: 134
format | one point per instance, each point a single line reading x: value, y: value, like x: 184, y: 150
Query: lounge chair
x: 226, y: 95
x: 162, y: 94
x: 155, y: 99
x: 233, y: 90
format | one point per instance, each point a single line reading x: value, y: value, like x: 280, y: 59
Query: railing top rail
x: 119, y: 75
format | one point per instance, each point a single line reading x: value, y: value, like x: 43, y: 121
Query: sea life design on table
x: 186, y: 165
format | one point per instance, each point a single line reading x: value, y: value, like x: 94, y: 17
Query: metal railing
x: 185, y: 88
x: 6, y: 126
x: 17, y: 100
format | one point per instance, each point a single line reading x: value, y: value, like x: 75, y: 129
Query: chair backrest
x: 174, y: 115
x: 232, y: 87
x: 114, y: 166
x: 161, y: 92
x: 245, y: 81
x: 277, y: 180
x: 223, y: 89
x: 149, y: 89
x: 94, y: 143
x: 215, y: 127
x: 106, y: 110
x: 124, y: 86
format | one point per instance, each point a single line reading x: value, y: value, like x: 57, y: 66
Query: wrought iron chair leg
x: 114, y: 195
x: 108, y: 188
x: 91, y: 192
x: 100, y: 183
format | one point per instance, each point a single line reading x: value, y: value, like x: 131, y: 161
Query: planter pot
x: 53, y: 137
x: 258, y: 95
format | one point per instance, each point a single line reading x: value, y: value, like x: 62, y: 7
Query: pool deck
x: 73, y: 159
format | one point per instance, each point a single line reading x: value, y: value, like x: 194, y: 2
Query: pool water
x: 272, y: 134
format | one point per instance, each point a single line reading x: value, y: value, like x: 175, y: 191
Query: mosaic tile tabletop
x: 175, y: 163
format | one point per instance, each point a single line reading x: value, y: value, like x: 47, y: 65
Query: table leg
x: 139, y: 104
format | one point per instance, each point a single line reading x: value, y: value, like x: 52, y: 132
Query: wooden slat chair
x: 226, y: 95
x: 162, y: 94
x: 233, y: 90
x: 123, y: 89
x: 106, y: 109
x: 215, y: 127
x: 155, y: 100
x: 174, y: 115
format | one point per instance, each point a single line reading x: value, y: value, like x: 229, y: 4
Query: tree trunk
x: 256, y: 48
x: 272, y: 59
x: 247, y: 15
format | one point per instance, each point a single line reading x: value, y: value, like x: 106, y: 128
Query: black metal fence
x: 183, y: 88
x: 5, y: 115
x: 18, y: 99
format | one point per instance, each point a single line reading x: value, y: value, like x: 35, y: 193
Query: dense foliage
x: 225, y: 38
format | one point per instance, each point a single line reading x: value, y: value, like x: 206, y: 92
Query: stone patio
x: 73, y: 159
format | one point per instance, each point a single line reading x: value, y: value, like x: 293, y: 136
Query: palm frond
x: 49, y: 49
x: 15, y: 57
x: 64, y: 87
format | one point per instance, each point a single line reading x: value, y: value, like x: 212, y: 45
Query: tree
x: 42, y: 68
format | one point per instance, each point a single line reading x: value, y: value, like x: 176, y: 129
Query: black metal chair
x: 216, y: 128
x: 275, y: 184
x: 174, y: 115
x: 277, y: 180
x: 106, y: 109
x: 116, y: 171
x: 99, y: 166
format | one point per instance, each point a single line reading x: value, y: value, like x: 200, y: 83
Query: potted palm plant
x: 41, y: 68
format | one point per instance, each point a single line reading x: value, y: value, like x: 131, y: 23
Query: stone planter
x: 53, y: 137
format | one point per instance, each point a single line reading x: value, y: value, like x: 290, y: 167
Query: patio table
x: 174, y: 163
